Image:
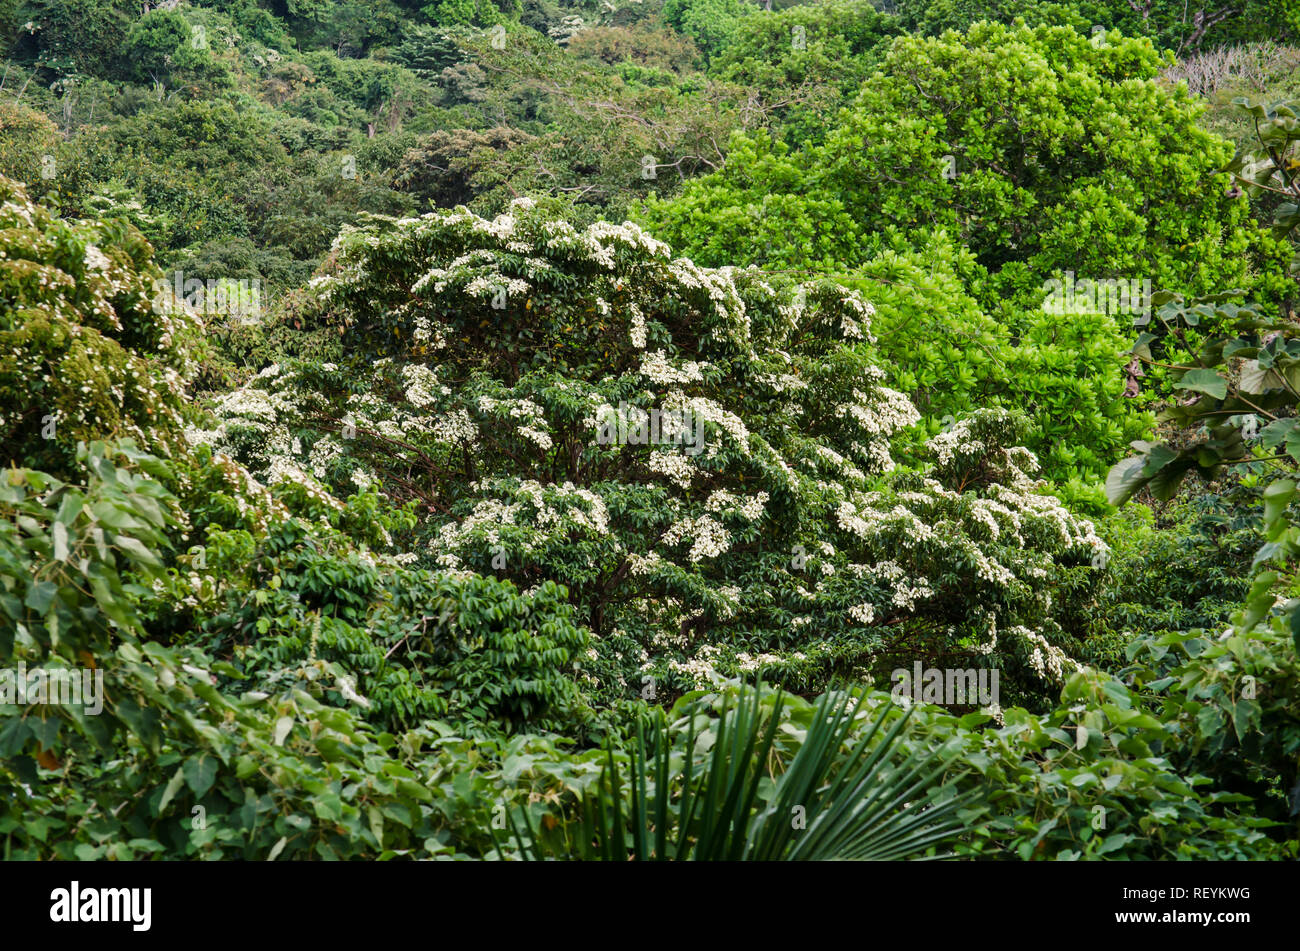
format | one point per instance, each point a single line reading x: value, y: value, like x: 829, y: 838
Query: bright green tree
x: 1043, y: 153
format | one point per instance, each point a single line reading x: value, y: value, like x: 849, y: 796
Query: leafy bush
x: 89, y: 347
x: 1099, y: 170
x: 710, y: 23
x: 1184, y: 569
x: 1176, y: 25
x: 806, y: 61
x: 418, y: 645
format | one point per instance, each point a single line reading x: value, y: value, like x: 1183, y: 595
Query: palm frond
x: 850, y: 791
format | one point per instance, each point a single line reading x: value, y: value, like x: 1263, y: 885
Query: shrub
x: 89, y: 349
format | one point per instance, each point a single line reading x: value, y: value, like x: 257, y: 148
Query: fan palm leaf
x: 848, y: 791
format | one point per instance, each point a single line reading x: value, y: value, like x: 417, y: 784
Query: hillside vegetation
x: 663, y: 429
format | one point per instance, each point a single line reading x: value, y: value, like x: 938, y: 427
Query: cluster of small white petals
x: 747, y: 663
x: 643, y: 564
x: 638, y: 329
x: 456, y: 427
x: 675, y: 465
x: 656, y: 368
x: 863, y: 613
x: 956, y: 439
x: 421, y: 385
x: 711, y: 412
x: 710, y: 538
x: 749, y: 509
x: 1045, y: 658
x: 700, y: 668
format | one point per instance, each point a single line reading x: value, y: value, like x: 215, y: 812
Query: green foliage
x: 173, y: 764
x: 84, y: 543
x: 952, y: 357
x: 1232, y: 369
x: 75, y: 36
x: 1092, y: 781
x: 1185, y: 569
x: 162, y: 45
x: 645, y: 45
x: 1171, y: 23
x: 710, y: 23
x: 395, y: 569
x: 843, y: 792
x: 26, y: 138
x: 805, y: 62
x: 1099, y: 170
x: 466, y: 12
x: 1233, y: 700
x: 600, y: 136
x: 1034, y: 788
x: 90, y: 348
x: 933, y: 17
x: 420, y: 645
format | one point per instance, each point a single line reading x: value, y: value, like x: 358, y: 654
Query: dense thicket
x: 434, y: 424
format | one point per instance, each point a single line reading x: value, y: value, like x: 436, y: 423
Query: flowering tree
x: 700, y: 457
x: 88, y: 349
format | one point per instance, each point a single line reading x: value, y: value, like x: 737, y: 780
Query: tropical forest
x: 642, y: 430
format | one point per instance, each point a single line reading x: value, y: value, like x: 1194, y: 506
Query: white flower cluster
x: 862, y: 310
x: 747, y: 662
x: 252, y: 499
x: 533, y: 427
x: 838, y: 464
x: 1046, y: 659
x: 720, y: 286
x: 503, y: 226
x: 956, y: 440
x: 643, y: 564
x: 675, y: 465
x: 867, y: 522
x: 700, y: 668
x: 325, y: 451
x: 709, y: 538
x: 543, y: 511
x: 639, y: 329
x: 878, y: 416
x: 863, y: 613
x: 597, y: 243
x: 456, y: 428
x: 656, y: 368
x: 750, y: 509
x: 711, y: 412
x: 781, y: 382
x: 422, y: 385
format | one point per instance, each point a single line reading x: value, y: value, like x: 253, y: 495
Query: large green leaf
x: 1204, y: 381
